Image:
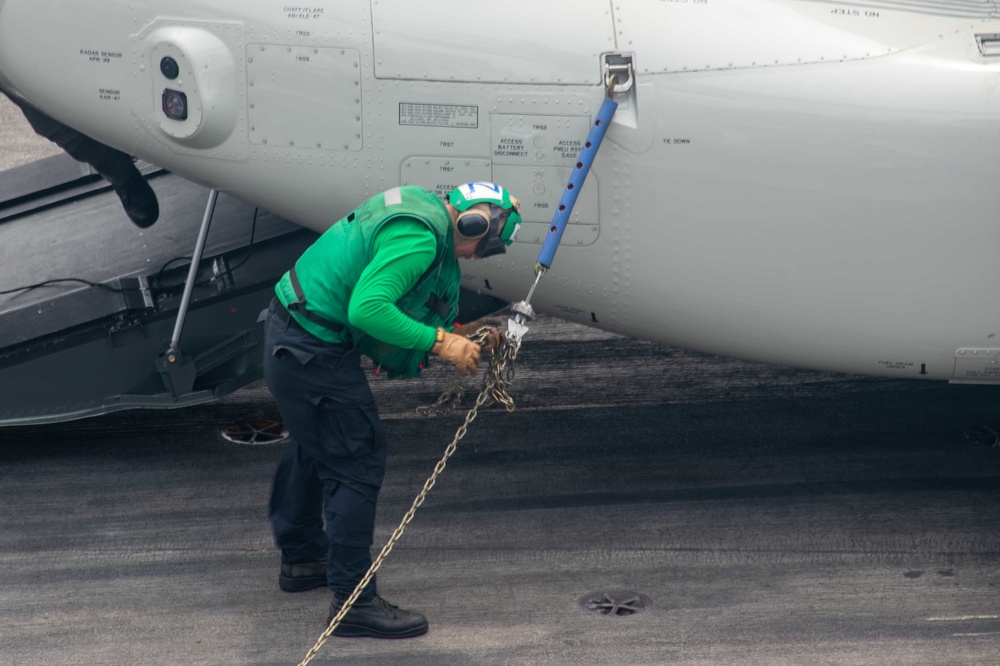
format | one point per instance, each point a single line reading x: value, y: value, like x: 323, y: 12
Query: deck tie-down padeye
x: 618, y: 79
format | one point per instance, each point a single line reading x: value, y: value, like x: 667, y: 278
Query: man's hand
x: 492, y: 339
x: 459, y: 351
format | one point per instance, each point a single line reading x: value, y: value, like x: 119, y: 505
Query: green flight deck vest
x: 327, y: 272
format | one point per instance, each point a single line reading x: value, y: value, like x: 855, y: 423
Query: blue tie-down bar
x: 522, y: 310
x: 583, y: 164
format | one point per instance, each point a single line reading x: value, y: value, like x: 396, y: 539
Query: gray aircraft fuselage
x: 799, y: 182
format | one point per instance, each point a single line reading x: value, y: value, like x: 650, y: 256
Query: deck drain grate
x: 616, y: 603
x: 256, y: 432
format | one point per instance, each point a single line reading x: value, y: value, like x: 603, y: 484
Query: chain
x: 498, y: 377
x: 495, y: 381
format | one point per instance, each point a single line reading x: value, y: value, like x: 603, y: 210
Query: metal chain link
x: 499, y: 375
x: 495, y: 382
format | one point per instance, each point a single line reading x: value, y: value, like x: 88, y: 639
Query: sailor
x: 137, y: 197
x: 382, y: 282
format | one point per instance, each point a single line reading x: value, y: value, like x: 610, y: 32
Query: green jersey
x: 386, y: 275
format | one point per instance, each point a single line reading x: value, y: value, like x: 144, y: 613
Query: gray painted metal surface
x: 803, y: 183
x: 68, y: 350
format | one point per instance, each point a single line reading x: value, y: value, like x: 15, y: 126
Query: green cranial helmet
x: 505, y: 217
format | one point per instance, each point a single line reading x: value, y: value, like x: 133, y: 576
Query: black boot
x: 138, y: 198
x: 302, y: 577
x: 377, y: 618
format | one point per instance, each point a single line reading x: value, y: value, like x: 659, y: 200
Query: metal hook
x: 613, y: 74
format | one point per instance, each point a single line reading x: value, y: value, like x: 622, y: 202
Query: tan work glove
x: 459, y: 351
x: 493, y: 339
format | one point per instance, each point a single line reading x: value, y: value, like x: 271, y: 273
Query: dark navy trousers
x: 113, y: 164
x: 332, y: 469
